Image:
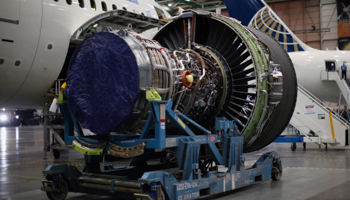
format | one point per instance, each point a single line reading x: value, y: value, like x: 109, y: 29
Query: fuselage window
x: 104, y: 6
x: 125, y: 9
x: 56, y: 0
x: 93, y: 4
x: 81, y: 3
x: 114, y: 7
x: 69, y: 2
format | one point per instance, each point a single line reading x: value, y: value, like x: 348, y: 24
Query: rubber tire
x: 59, y: 195
x: 276, y: 176
x: 163, y: 195
x: 56, y: 153
x: 304, y: 145
x: 293, y: 147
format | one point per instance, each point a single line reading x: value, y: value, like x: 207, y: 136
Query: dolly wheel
x: 160, y: 195
x: 56, y: 153
x: 277, y: 169
x: 62, y: 194
x: 293, y: 147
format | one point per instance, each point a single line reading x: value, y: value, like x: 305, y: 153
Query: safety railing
x: 323, y: 105
x: 55, y: 88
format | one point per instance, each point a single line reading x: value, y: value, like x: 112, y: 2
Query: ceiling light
x: 3, y: 118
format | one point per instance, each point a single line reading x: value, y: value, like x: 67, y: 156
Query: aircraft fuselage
x: 310, y: 64
x: 35, y: 36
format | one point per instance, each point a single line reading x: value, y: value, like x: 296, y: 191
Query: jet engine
x: 209, y: 65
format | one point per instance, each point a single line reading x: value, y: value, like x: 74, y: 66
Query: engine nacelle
x: 210, y: 65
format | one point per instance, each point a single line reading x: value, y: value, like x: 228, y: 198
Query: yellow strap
x: 331, y: 121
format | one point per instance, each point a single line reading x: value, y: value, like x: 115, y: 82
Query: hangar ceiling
x: 191, y: 4
x: 211, y: 5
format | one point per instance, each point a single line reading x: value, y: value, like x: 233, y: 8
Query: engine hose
x: 203, y: 67
x: 196, y: 86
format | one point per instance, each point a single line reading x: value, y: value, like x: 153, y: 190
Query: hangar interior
x: 208, y: 107
x: 299, y: 16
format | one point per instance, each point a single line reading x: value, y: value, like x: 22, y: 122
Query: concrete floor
x: 311, y: 174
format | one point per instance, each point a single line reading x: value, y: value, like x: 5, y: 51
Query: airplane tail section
x: 257, y: 14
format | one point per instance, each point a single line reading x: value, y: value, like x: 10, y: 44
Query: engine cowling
x: 210, y: 65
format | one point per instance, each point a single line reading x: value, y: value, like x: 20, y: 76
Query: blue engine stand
x: 191, y: 166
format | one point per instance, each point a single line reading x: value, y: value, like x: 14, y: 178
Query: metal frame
x: 58, y: 142
x: 334, y: 132
x: 151, y: 181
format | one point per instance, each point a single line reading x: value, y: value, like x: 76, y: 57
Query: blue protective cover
x: 102, y: 82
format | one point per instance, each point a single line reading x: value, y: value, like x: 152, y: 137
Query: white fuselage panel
x: 309, y: 65
x: 34, y: 50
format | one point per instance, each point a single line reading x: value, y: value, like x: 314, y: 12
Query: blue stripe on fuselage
x: 243, y: 10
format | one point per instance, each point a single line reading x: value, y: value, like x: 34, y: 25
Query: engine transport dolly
x: 191, y: 165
